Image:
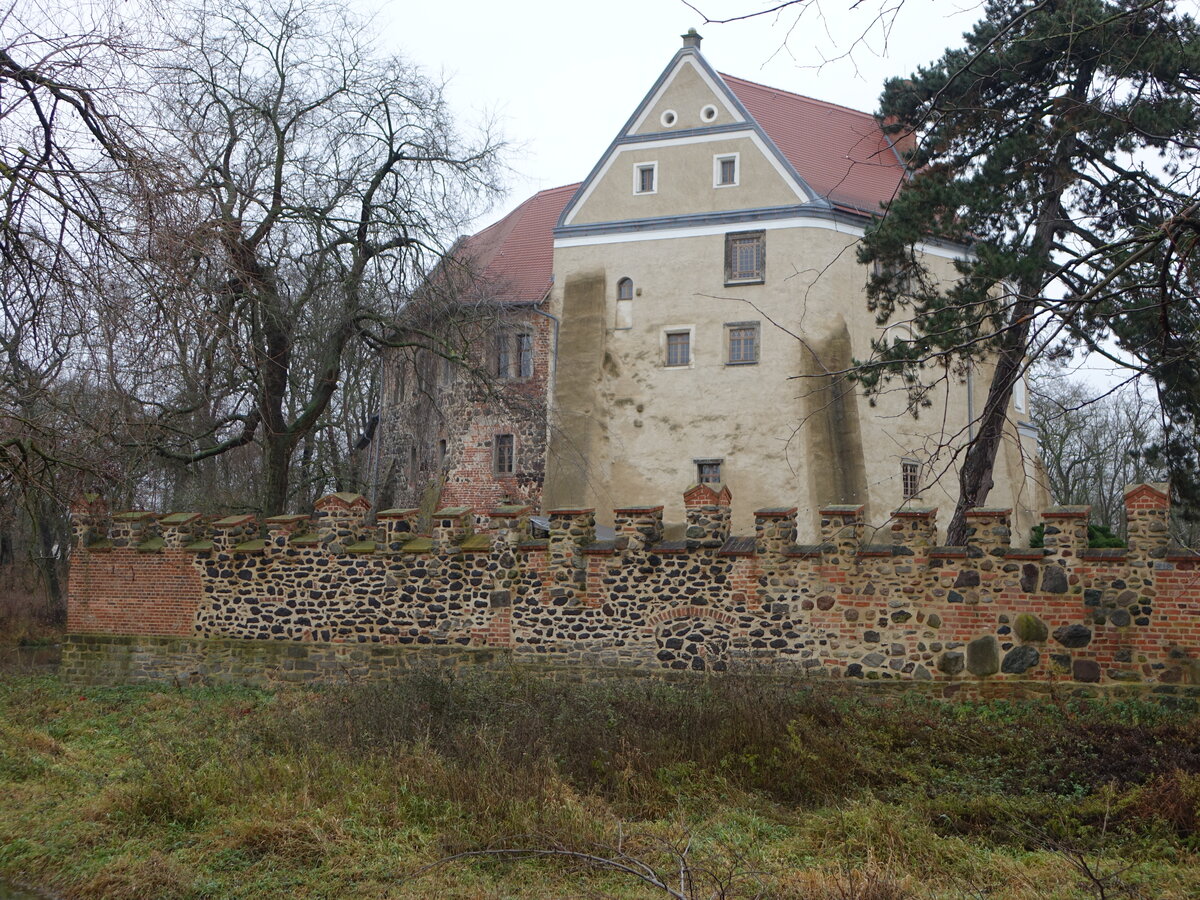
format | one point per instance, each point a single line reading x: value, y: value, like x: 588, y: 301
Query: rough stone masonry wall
x: 903, y: 610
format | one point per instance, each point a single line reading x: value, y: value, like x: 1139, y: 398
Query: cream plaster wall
x: 652, y: 421
x: 685, y: 182
x: 686, y: 93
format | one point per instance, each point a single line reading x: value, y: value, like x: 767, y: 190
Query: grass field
x: 731, y: 787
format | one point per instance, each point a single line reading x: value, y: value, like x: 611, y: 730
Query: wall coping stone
x: 989, y: 511
x: 133, y: 515
x: 1067, y: 512
x: 344, y: 499
x: 914, y: 512
x: 234, y: 521
x: 841, y: 509
x: 397, y: 513
x: 512, y: 509
x: 256, y: 546
x: 361, y: 547
x: 288, y: 519
x: 534, y: 544
x: 738, y: 546
x: 477, y: 543
x: 418, y: 545
x: 1179, y: 554
x: 634, y: 510
x: 308, y: 539
x: 179, y: 518
x: 451, y: 512
x: 198, y: 547
x: 1025, y: 553
x: 153, y: 545
x: 101, y: 546
x: 877, y: 550
x: 775, y: 512
x: 949, y: 552
x: 572, y: 511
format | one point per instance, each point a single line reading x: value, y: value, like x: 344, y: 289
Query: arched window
x: 624, y: 303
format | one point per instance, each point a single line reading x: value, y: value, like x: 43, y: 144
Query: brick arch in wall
x: 692, y: 638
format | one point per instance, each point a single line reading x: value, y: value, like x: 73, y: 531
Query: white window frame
x: 1020, y: 395
x: 690, y: 331
x: 637, y: 177
x: 718, y: 158
x: 908, y: 464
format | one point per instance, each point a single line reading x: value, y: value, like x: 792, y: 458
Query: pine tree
x: 1059, y: 144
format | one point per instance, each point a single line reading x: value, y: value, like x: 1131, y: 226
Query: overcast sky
x: 562, y: 76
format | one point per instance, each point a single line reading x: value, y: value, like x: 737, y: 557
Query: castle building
x: 687, y: 315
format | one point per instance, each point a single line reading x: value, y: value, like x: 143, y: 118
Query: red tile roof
x: 514, y: 257
x: 842, y: 153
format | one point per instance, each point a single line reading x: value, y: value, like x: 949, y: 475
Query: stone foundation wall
x: 904, y: 610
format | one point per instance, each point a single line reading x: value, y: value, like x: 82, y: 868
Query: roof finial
x: 692, y: 39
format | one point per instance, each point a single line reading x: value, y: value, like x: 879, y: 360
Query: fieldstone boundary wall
x: 339, y: 595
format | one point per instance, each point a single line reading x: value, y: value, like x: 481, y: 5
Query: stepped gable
x: 514, y: 257
x: 842, y: 153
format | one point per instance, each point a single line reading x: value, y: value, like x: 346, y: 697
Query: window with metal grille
x: 910, y: 474
x: 745, y: 256
x: 708, y: 471
x: 503, y: 456
x: 524, y: 355
x: 625, y: 289
x: 679, y: 348
x: 743, y: 343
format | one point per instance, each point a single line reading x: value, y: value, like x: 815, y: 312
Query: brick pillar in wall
x: 570, y: 531
x: 89, y: 520
x: 179, y: 529
x: 281, y: 528
x: 1066, y: 530
x: 451, y: 526
x: 131, y: 528
x: 1147, y: 510
x: 774, y: 531
x: 640, y: 526
x: 339, y: 519
x: 989, y: 531
x: 396, y: 528
x: 510, y: 524
x: 708, y: 510
x: 842, y: 530
x: 914, y: 528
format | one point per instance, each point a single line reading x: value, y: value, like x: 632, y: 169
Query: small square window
x: 742, y: 343
x: 503, y: 455
x: 524, y: 355
x: 679, y: 348
x: 708, y: 471
x: 910, y: 474
x: 745, y: 257
x: 725, y: 170
x: 645, y: 178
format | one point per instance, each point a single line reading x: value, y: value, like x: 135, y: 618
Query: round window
x: 708, y: 113
x: 668, y: 118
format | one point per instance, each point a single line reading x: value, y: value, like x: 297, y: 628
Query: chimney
x: 692, y: 39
